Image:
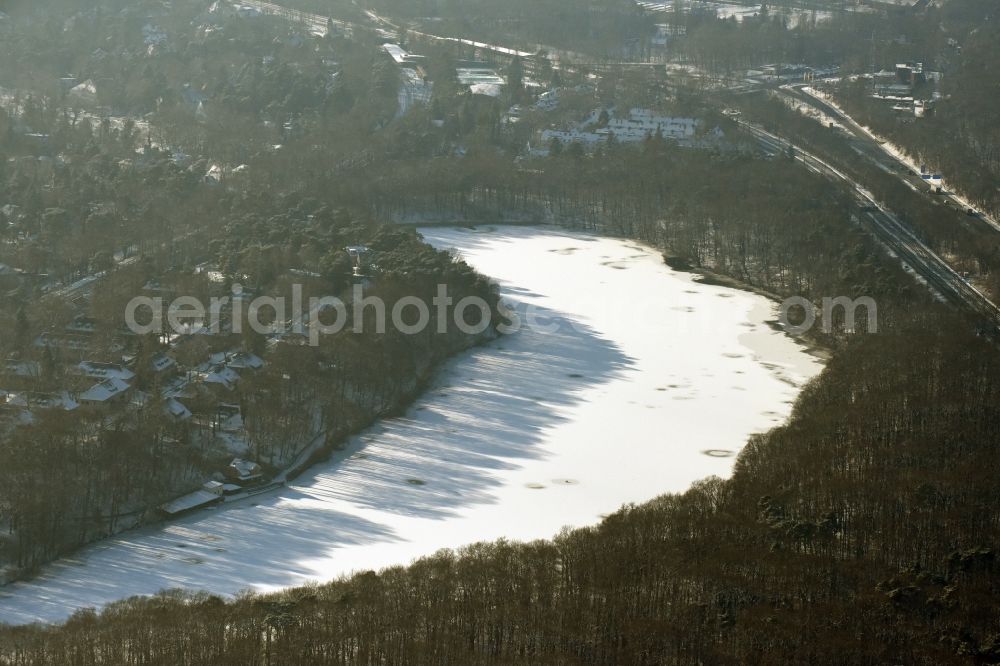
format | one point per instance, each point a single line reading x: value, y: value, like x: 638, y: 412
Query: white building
x: 400, y: 55
x: 643, y: 123
x: 96, y: 370
x: 638, y: 126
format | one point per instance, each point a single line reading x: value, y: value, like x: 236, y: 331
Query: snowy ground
x: 902, y: 156
x: 651, y: 382
x: 727, y: 10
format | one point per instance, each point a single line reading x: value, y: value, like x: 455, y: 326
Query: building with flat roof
x: 401, y: 56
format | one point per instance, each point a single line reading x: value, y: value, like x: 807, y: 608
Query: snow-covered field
x: 649, y: 382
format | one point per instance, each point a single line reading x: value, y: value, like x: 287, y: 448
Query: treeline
x: 768, y: 223
x: 864, y: 531
x: 599, y: 28
x: 827, y: 33
x: 69, y: 478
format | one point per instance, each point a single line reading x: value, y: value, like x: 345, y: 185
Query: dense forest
x: 779, y: 239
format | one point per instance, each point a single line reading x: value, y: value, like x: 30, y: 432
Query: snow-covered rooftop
x: 106, y: 390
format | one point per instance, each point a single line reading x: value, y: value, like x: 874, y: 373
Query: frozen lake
x: 650, y: 381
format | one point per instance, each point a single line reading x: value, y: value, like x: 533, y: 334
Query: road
x: 871, y: 146
x: 893, y: 234
x: 315, y: 22
x: 382, y: 26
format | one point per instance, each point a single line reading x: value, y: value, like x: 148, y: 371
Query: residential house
x: 228, y: 418
x: 244, y: 472
x: 163, y: 365
x: 25, y: 370
x: 108, y: 392
x: 176, y: 410
x: 31, y: 400
x: 98, y: 370
x: 221, y: 376
x: 82, y: 325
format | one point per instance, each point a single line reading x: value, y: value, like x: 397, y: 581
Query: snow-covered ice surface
x: 651, y: 382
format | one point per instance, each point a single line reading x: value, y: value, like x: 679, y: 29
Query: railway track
x: 892, y: 233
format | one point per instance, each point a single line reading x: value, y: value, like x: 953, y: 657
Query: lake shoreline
x: 818, y: 346
x: 516, y: 427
